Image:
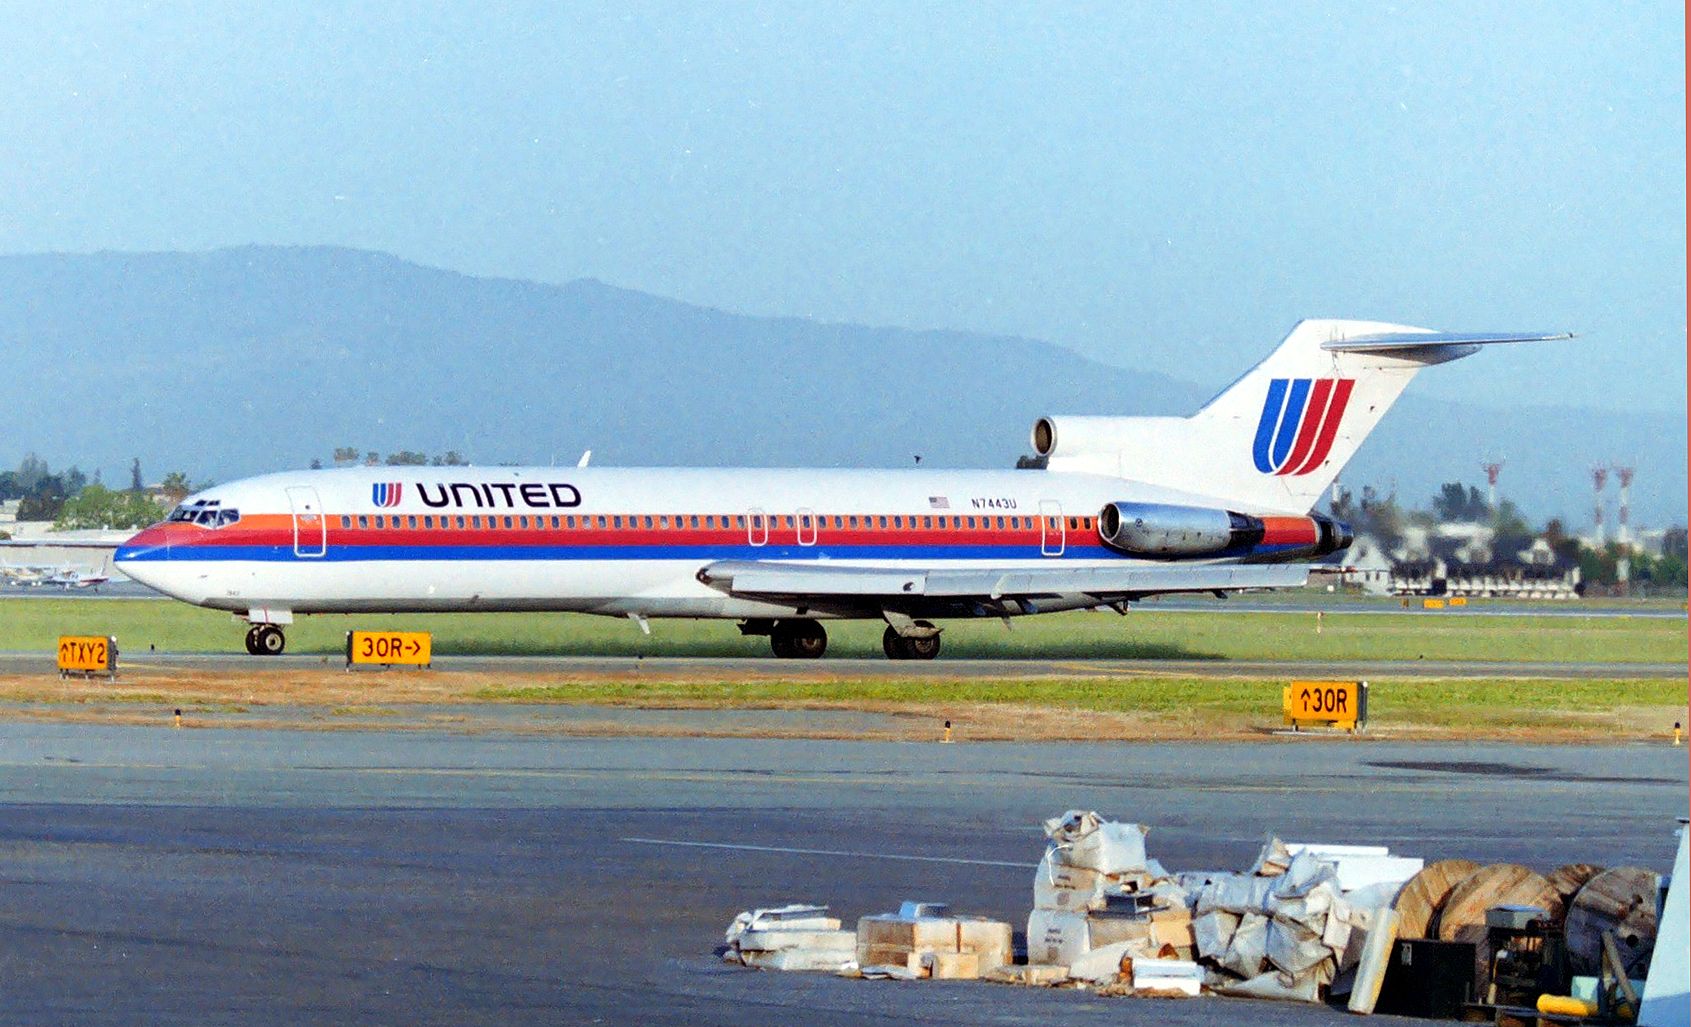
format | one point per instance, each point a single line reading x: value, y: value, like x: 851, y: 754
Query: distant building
x: 1366, y: 566
x: 1501, y: 579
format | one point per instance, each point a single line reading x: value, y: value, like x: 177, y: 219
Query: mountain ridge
x: 243, y: 359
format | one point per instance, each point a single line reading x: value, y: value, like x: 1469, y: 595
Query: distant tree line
x: 352, y: 456
x: 73, y: 501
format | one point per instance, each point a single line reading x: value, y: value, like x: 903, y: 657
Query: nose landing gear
x: 265, y: 640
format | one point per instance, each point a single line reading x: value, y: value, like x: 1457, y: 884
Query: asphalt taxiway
x: 162, y: 875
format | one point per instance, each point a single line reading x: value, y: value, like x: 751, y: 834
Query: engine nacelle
x: 1168, y: 531
x: 1067, y: 437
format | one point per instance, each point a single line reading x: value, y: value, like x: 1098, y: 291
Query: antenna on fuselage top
x: 586, y: 455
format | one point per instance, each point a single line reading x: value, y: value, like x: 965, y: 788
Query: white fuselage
x: 600, y: 540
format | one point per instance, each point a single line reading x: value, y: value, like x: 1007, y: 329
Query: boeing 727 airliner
x: 1126, y: 507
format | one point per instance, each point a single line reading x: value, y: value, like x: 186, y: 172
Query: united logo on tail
x: 1300, y: 418
x: 386, y: 493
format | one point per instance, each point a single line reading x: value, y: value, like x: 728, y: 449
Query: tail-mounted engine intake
x: 1168, y: 532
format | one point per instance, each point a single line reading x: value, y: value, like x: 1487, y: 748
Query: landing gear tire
x: 266, y: 640
x: 897, y: 647
x: 798, y: 639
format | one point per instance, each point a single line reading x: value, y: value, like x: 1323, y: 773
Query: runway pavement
x: 156, y: 875
x: 837, y: 667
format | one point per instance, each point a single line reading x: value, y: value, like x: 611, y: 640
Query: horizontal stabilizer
x: 1446, y: 345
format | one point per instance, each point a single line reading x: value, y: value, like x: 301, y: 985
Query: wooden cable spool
x: 1500, y: 884
x: 1418, y: 903
x: 1622, y: 900
x: 1569, y: 878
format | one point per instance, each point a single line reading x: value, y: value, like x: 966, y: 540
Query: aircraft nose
x: 143, y: 555
x: 147, y: 544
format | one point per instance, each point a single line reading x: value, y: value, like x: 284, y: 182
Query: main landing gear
x: 900, y: 647
x: 265, y: 640
x: 798, y: 639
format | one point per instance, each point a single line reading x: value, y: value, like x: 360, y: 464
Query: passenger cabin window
x: 346, y: 522
x: 363, y: 521
x: 411, y: 521
x: 428, y: 522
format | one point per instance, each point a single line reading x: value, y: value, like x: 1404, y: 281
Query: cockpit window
x: 208, y: 512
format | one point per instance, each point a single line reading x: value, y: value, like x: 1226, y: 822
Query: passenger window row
x: 682, y: 522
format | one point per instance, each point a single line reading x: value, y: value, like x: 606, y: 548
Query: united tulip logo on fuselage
x: 486, y: 495
x: 1300, y: 419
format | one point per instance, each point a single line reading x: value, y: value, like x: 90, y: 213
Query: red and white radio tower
x: 1623, y: 515
x: 1492, y: 470
x: 1599, y: 478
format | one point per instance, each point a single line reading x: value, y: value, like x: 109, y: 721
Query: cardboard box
x: 890, y: 938
x: 952, y: 966
x: 989, y: 940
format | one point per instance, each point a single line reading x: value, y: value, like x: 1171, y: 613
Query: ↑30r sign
x: 389, y: 648
x: 1340, y: 704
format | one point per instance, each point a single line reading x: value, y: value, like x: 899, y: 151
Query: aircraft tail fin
x: 1278, y: 437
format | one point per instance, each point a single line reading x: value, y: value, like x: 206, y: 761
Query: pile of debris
x: 791, y: 938
x: 921, y: 940
x: 1305, y: 922
x: 1283, y: 929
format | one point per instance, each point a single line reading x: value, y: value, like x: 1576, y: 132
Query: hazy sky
x: 1169, y: 185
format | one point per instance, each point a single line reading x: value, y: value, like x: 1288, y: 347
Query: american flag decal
x: 938, y: 503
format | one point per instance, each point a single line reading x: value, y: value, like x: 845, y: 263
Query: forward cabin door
x: 311, y: 528
x: 1053, y: 533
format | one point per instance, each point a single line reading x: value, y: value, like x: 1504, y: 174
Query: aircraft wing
x: 775, y: 580
x: 47, y: 543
